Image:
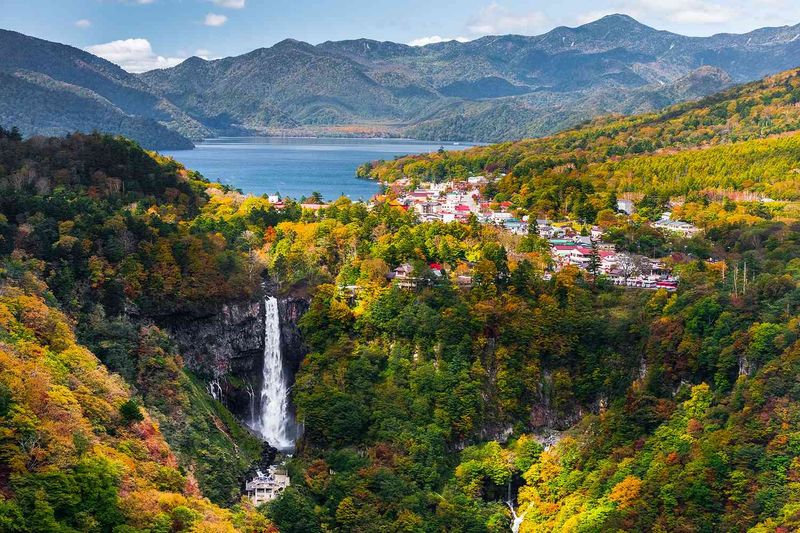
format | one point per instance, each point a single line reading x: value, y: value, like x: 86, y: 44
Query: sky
x: 141, y: 35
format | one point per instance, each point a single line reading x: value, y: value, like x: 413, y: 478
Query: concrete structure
x: 266, y: 487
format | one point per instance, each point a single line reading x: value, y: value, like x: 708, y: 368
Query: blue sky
x: 144, y: 34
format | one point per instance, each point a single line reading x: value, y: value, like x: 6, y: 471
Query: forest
x: 550, y: 396
x: 738, y: 140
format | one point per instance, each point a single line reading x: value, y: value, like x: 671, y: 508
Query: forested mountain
x: 90, y: 225
x: 740, y: 139
x: 491, y: 89
x: 53, y: 89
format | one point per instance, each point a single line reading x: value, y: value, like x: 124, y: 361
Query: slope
x: 56, y: 71
x: 634, y: 153
x: 78, y: 451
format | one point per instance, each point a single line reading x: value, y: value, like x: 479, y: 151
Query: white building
x: 266, y: 487
x: 626, y: 206
x: 677, y: 226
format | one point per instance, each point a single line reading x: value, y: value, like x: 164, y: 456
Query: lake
x: 297, y: 167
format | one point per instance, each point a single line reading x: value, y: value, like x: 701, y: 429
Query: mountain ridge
x: 132, y: 100
x: 422, y: 89
x: 494, y: 88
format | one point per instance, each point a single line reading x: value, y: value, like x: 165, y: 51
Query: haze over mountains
x: 491, y: 89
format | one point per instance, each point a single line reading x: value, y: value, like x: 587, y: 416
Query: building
x: 676, y: 226
x: 625, y: 206
x: 266, y: 487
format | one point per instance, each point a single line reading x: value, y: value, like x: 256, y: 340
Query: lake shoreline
x: 299, y: 166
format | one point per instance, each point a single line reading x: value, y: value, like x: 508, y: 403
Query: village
x: 463, y: 201
x: 459, y: 200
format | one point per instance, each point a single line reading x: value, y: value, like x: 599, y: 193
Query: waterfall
x: 273, y: 419
x: 215, y: 390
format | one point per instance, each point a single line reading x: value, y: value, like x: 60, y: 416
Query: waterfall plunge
x: 271, y: 417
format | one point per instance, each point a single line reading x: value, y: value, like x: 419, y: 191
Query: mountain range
x: 491, y: 89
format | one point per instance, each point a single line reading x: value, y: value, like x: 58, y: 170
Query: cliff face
x: 293, y: 347
x: 229, y: 340
x: 225, y: 346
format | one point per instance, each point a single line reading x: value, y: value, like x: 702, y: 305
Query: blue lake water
x: 297, y: 167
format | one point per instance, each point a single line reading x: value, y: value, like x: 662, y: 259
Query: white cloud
x: 495, y: 19
x: 433, y: 39
x: 202, y: 53
x: 83, y: 23
x: 133, y: 55
x: 212, y: 19
x: 686, y: 11
x: 230, y: 4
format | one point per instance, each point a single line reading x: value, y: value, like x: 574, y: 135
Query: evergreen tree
x: 533, y: 226
x: 594, y: 261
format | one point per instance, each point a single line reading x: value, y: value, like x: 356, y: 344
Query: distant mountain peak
x: 617, y: 21
x: 290, y: 43
x: 462, y: 91
x: 195, y: 60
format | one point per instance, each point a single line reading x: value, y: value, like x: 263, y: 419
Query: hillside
x: 542, y: 395
x: 740, y: 139
x: 79, y: 453
x: 110, y: 229
x: 489, y: 384
x: 53, y: 89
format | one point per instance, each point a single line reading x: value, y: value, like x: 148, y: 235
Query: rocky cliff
x: 225, y: 341
x: 225, y: 346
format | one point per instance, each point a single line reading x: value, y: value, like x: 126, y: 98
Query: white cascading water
x: 273, y: 419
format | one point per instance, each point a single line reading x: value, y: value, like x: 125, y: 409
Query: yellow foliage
x: 625, y: 493
x: 64, y: 402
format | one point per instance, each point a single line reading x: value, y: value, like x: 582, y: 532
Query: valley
x: 593, y: 325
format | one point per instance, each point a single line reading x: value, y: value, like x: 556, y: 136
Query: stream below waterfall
x: 270, y: 410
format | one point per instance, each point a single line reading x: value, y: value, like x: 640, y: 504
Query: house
x: 516, y: 227
x: 625, y: 206
x: 403, y: 276
x: 499, y: 217
x: 426, y: 208
x: 464, y: 281
x: 402, y: 272
x: 572, y: 254
x: 676, y: 226
x: 669, y: 284
x: 421, y: 195
x: 266, y: 487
